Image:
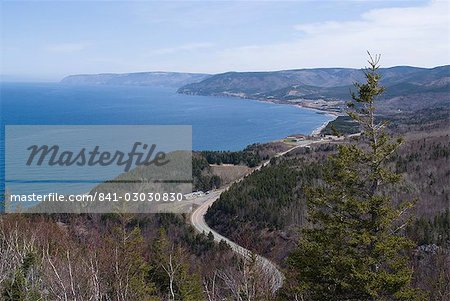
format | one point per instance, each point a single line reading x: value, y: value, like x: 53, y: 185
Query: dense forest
x: 205, y: 179
x: 116, y: 257
x: 251, y: 156
x: 266, y: 211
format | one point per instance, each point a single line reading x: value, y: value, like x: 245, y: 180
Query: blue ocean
x: 218, y: 123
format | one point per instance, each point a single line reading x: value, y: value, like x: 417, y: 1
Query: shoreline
x: 316, y: 131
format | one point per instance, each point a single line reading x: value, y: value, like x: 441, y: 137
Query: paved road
x: 199, y: 223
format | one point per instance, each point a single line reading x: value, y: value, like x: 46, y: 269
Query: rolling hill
x: 160, y: 79
x: 328, y: 84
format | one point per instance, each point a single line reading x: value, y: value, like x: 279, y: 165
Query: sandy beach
x: 316, y: 131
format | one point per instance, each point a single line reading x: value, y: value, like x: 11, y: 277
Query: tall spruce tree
x: 354, y: 248
x: 171, y: 272
x: 129, y: 269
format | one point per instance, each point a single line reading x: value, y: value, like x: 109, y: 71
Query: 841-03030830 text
x: 100, y: 197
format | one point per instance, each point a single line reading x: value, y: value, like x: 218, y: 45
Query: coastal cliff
x: 161, y: 79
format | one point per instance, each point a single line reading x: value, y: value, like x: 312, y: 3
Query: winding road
x: 198, y: 221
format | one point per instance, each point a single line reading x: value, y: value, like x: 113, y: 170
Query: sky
x: 47, y: 40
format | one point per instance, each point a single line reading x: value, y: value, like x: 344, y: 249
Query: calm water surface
x: 217, y: 123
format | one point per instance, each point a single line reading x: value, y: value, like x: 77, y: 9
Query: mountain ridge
x: 319, y: 77
x: 155, y: 78
x: 326, y: 85
x: 322, y: 88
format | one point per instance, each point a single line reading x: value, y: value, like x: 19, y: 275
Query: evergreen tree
x: 171, y: 272
x: 354, y: 248
x: 128, y: 278
x: 20, y: 287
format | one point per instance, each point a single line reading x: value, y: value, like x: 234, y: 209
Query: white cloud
x: 66, y: 47
x: 417, y: 36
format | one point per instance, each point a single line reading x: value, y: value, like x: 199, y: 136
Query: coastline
x: 316, y: 131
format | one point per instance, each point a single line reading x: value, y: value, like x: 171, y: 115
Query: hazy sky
x: 45, y: 40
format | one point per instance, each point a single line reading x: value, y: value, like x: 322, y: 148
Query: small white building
x: 296, y: 138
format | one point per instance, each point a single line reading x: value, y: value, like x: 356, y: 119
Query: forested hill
x: 162, y: 79
x: 323, y: 83
x: 265, y: 211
